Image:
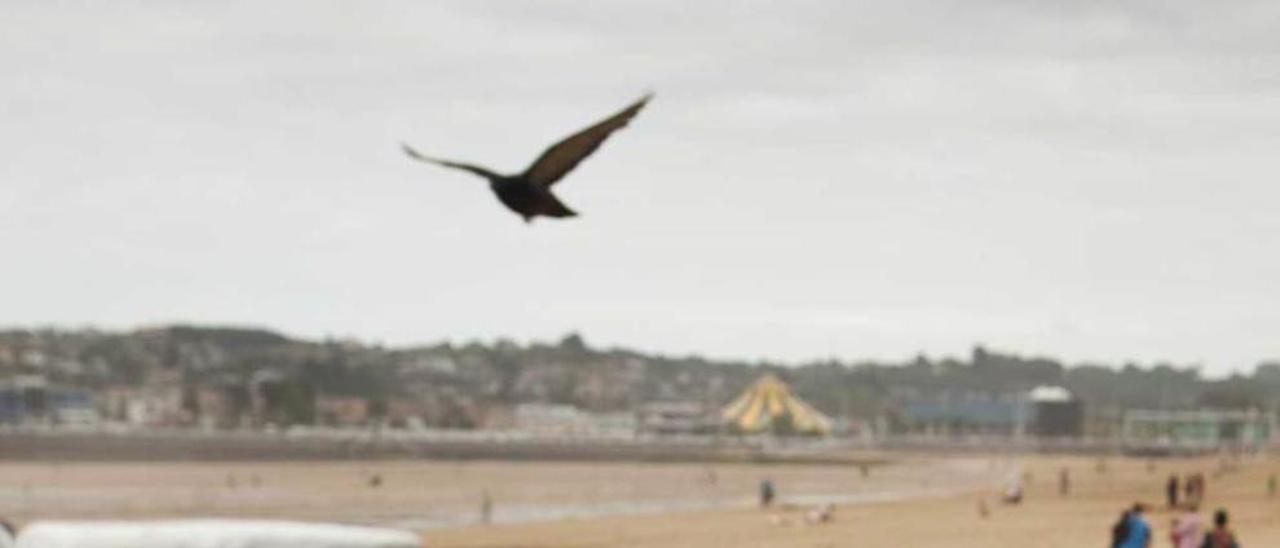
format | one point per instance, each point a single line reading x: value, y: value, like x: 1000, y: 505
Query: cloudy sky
x: 1089, y: 180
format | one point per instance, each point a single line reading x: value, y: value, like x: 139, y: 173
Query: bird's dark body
x: 527, y: 199
x: 529, y: 193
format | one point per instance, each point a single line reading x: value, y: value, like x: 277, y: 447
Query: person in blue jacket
x: 1137, y: 530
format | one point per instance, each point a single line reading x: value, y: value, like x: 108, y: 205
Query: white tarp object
x: 209, y: 533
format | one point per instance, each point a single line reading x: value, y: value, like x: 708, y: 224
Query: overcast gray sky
x: 1089, y: 180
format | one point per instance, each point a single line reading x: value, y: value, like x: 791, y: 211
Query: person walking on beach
x: 1064, y: 481
x: 1012, y: 491
x: 1186, y: 528
x: 710, y: 477
x: 1137, y: 531
x: 486, y: 508
x: 1194, y: 487
x: 1171, y: 491
x: 1271, y: 486
x: 766, y: 493
x: 1120, y: 531
x: 1221, y: 536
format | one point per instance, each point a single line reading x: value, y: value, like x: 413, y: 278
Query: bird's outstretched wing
x: 562, y: 157
x: 446, y: 163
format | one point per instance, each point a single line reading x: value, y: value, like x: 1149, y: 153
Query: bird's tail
x: 556, y: 208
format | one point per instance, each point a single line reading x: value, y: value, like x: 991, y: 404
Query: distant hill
x: 573, y: 372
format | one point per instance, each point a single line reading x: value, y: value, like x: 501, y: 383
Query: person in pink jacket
x: 1186, y: 528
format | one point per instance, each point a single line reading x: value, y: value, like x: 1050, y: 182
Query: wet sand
x: 425, y: 495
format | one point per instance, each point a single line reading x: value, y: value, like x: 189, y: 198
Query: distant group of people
x: 1193, y: 487
x: 1184, y: 495
x: 1133, y: 531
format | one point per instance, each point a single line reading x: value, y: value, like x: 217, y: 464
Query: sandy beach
x: 914, y: 501
x: 1045, y: 519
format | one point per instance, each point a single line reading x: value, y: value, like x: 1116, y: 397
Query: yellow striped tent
x: 769, y: 405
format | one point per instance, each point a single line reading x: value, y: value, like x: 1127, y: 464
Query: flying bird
x: 529, y: 193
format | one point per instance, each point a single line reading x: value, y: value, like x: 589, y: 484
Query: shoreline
x: 428, y: 496
x: 533, y: 514
x: 197, y: 446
